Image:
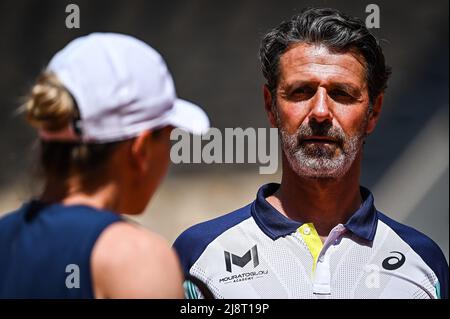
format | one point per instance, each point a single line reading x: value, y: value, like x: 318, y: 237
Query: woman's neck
x: 70, y: 192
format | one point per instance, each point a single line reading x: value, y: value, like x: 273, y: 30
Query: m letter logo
x: 242, y: 261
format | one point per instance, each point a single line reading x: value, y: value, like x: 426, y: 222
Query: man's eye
x: 303, y: 93
x: 339, y: 93
x: 341, y: 96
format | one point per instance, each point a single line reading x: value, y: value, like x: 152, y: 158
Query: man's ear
x: 268, y: 106
x: 140, y: 151
x: 375, y: 114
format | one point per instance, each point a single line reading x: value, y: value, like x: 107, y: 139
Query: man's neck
x: 323, y: 202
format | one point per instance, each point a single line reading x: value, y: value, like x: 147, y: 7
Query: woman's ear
x: 140, y: 151
x: 375, y: 114
x: 268, y: 106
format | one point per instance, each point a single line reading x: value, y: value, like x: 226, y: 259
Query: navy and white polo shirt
x: 256, y: 252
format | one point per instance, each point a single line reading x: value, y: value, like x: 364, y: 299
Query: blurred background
x: 211, y: 48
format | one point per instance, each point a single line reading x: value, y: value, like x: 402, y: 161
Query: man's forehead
x: 317, y: 60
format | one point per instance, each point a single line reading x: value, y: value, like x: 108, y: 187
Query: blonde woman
x: 104, y: 109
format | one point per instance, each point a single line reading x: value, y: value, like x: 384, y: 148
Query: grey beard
x: 320, y: 165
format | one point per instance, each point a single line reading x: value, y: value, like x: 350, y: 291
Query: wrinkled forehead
x: 317, y: 63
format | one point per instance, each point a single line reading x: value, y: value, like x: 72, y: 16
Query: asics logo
x: 394, y: 262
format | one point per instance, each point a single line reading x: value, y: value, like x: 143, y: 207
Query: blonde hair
x: 49, y: 105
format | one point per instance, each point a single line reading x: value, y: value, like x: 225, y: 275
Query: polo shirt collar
x: 362, y: 223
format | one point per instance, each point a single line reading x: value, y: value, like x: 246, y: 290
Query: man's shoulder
x: 8, y: 222
x: 418, y: 241
x: 424, y: 246
x: 193, y: 241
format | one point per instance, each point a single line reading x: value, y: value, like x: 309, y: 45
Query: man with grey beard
x: 318, y: 233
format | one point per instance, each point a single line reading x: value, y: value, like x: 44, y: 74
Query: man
x: 318, y: 234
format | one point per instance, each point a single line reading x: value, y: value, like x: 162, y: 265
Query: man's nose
x: 320, y: 110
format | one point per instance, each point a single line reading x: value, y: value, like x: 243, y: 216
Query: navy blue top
x: 45, y: 250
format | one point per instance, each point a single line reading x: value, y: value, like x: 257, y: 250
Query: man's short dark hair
x: 336, y: 31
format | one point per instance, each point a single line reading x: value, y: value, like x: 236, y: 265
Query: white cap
x: 122, y: 87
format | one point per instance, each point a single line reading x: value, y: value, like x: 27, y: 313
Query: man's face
x: 322, y: 110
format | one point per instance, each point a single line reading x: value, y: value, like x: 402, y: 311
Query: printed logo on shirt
x: 242, y: 261
x: 394, y: 262
x: 251, y: 254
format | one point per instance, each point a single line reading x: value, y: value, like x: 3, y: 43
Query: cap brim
x: 189, y: 117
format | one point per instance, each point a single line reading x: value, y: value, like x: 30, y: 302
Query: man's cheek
x: 291, y: 121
